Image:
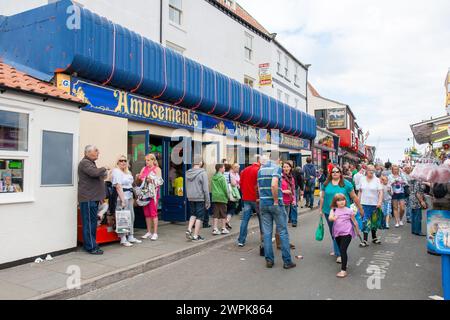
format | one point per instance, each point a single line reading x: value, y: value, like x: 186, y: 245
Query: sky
x: 386, y: 59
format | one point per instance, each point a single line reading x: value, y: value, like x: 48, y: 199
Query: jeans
x: 337, y: 252
x: 268, y: 215
x: 408, y: 210
x: 416, y: 221
x: 309, y: 194
x: 89, y: 217
x: 248, y: 208
x: 292, y: 213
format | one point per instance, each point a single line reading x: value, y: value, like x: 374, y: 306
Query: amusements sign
x: 337, y: 118
x: 123, y: 104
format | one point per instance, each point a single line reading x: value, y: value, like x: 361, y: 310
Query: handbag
x: 144, y: 194
x: 235, y: 196
x: 123, y: 221
x: 320, y: 230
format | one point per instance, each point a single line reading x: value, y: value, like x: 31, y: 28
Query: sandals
x: 376, y: 241
x: 364, y: 244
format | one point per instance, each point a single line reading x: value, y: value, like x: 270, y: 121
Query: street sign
x: 265, y: 77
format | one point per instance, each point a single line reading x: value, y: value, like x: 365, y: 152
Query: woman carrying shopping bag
x: 122, y: 180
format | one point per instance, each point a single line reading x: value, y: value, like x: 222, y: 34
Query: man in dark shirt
x: 91, y: 190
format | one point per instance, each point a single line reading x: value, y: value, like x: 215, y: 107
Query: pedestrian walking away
x: 300, y: 184
x: 220, y: 200
x: 407, y: 173
x: 417, y: 205
x: 310, y: 182
x: 152, y: 174
x: 250, y: 200
x: 344, y: 226
x: 197, y: 188
x: 336, y: 184
x: 272, y: 209
x: 91, y: 190
x: 371, y: 197
x: 123, y: 180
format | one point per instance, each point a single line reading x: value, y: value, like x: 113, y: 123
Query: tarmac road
x: 399, y: 268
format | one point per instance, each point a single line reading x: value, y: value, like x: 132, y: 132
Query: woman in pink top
x: 344, y: 224
x: 151, y: 210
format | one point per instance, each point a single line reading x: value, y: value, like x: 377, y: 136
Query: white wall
x: 46, y: 221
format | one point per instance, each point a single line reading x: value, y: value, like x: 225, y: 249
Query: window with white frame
x: 14, y: 127
x: 248, y: 47
x: 279, y: 62
x: 279, y: 94
x: 175, y: 47
x: 286, y: 68
x: 175, y: 11
x: 249, y: 81
x: 296, y: 75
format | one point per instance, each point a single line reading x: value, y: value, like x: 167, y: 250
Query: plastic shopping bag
x: 320, y: 230
x: 123, y: 221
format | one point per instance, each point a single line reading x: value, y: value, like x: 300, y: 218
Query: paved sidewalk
x: 48, y: 280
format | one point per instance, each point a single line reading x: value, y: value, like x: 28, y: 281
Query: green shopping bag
x: 320, y: 230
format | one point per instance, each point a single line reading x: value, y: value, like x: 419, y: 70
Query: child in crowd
x: 220, y: 200
x: 387, y: 201
x: 344, y: 225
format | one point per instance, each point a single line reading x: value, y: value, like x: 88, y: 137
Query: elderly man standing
x: 91, y: 190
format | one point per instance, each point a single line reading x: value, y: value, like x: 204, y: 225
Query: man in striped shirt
x: 271, y: 206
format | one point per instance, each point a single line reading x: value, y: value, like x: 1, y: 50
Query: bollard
x: 446, y: 276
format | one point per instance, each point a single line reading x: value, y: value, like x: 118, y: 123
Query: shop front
x: 175, y: 135
x: 326, y: 148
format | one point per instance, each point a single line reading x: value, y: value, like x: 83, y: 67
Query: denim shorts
x: 198, y: 210
x: 398, y: 196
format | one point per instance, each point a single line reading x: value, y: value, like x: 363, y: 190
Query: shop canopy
x: 436, y: 130
x: 48, y: 40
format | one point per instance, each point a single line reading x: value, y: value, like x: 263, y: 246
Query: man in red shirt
x: 250, y: 199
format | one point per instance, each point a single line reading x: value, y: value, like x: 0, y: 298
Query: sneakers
x: 364, y: 244
x: 269, y: 264
x: 189, y: 235
x: 216, y: 232
x: 126, y: 244
x: 229, y: 226
x: 397, y: 225
x: 289, y: 266
x: 339, y: 260
x: 401, y: 223
x: 132, y: 239
x: 241, y: 245
x: 154, y: 237
x: 148, y: 235
x: 97, y: 252
x: 199, y: 238
x: 225, y: 231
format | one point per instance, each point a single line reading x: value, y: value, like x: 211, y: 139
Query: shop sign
x: 337, y: 118
x: 324, y: 140
x: 122, y: 104
x: 265, y: 77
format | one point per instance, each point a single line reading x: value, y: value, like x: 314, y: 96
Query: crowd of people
x: 271, y: 189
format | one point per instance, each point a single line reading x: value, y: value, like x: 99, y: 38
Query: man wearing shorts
x: 220, y: 200
x: 197, y: 189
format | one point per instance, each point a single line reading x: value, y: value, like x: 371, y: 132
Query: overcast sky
x: 387, y: 59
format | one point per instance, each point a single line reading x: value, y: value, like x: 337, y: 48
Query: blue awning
x: 44, y: 41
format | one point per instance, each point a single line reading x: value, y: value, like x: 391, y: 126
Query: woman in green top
x: 336, y: 184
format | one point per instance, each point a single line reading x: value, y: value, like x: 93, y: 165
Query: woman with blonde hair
x: 150, y: 172
x: 122, y: 180
x: 398, y: 182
